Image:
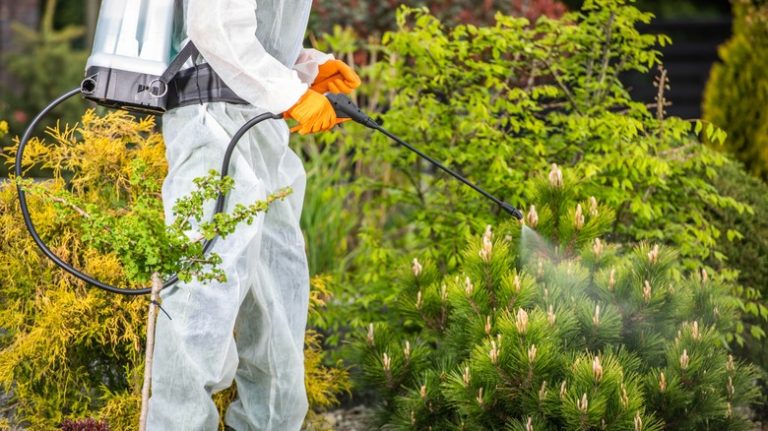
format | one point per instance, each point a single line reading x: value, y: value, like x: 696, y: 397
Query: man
x: 250, y: 328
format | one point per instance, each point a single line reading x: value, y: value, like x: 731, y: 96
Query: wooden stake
x: 157, y: 285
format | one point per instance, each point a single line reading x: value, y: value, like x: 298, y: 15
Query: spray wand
x: 345, y: 108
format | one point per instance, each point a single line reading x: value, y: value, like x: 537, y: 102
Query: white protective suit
x: 250, y: 328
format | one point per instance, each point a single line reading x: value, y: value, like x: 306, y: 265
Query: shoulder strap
x: 189, y: 51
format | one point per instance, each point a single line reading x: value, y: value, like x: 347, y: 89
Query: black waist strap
x: 199, y: 84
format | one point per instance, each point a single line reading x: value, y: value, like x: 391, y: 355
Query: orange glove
x: 335, y: 76
x: 314, y: 113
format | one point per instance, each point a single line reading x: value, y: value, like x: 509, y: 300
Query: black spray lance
x: 344, y: 108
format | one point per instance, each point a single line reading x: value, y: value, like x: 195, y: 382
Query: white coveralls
x: 251, y: 327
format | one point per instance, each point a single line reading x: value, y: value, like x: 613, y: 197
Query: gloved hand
x: 314, y: 113
x: 335, y: 76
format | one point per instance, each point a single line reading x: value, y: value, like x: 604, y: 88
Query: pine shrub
x: 562, y: 331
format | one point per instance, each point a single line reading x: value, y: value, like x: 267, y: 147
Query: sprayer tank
x: 133, y: 36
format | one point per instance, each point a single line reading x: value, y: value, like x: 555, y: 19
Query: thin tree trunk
x: 157, y: 285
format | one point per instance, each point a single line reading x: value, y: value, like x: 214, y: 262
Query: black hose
x: 220, y: 200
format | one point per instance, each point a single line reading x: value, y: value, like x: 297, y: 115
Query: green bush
x: 737, y: 92
x: 498, y: 103
x: 44, y: 67
x: 748, y: 253
x: 580, y: 334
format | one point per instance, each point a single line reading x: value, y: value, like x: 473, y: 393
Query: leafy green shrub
x: 499, y: 102
x: 748, y: 253
x: 69, y: 351
x: 577, y: 335
x: 737, y: 91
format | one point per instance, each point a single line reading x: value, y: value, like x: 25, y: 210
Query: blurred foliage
x: 68, y: 351
x: 370, y: 17
x: 736, y: 96
x: 576, y: 334
x: 43, y: 66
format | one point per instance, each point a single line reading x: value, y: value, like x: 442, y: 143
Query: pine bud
x: 494, y: 353
x: 578, y: 218
x: 540, y: 269
x: 730, y: 365
x: 521, y: 321
x: 370, y: 338
x: 543, y: 390
x: 647, y: 292
x: 517, y: 283
x: 444, y: 293
x: 563, y: 388
x: 480, y: 396
x: 532, y: 353
x: 612, y: 280
x: 556, y: 176
x: 662, y: 382
x: 695, y: 333
x: 597, y: 248
x: 716, y: 312
x: 407, y: 350
x: 488, y: 326
x: 423, y: 392
x: 413, y: 417
x: 653, y: 255
x: 469, y: 288
x: 729, y: 410
x: 593, y: 206
x: 487, y: 248
x: 416, y: 267
x: 529, y: 424
x: 596, y: 316
x: 386, y: 362
x: 624, y: 397
x: 583, y: 404
x: 419, y: 300
x: 597, y: 369
x: 684, y: 360
x: 546, y: 294
x: 704, y: 275
x: 638, y: 422
x: 532, y: 218
x: 551, y: 316
x: 465, y: 377
x: 729, y: 387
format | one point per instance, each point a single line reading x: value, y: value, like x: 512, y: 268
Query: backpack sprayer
x: 130, y: 68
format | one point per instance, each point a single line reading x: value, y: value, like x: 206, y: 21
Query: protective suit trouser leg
x: 251, y: 327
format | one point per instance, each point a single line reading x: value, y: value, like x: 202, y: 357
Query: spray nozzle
x: 346, y: 108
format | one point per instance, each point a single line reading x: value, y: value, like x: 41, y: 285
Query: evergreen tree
x: 575, y: 334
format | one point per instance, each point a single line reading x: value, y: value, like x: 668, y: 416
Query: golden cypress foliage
x: 68, y: 350
x: 736, y: 97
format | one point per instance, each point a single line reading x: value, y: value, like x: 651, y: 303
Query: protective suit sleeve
x: 308, y: 64
x: 224, y: 32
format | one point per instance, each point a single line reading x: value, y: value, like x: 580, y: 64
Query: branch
x: 563, y: 87
x: 606, y: 54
